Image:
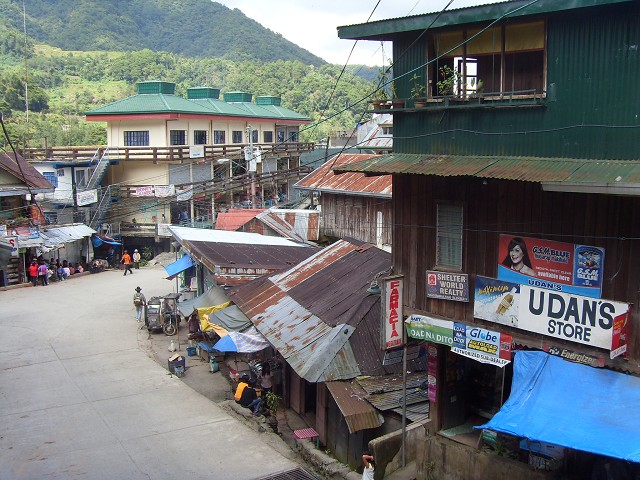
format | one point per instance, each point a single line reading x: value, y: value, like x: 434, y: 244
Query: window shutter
x: 449, y: 236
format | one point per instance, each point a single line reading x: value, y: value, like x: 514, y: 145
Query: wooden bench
x: 306, y: 433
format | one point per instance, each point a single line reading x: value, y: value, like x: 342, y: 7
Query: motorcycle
x: 162, y: 314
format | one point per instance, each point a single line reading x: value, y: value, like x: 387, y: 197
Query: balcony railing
x: 162, y: 154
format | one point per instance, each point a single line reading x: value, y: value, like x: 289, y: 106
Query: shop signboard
x: 430, y: 329
x: 573, y: 356
x: 485, y: 346
x: 392, y: 312
x: 565, y: 316
x: 144, y: 191
x: 448, y: 286
x: 164, y: 190
x: 87, y: 197
x: 558, y: 266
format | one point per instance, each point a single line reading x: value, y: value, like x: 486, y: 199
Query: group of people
x: 44, y: 271
x: 248, y: 396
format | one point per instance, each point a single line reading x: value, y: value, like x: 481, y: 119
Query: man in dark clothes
x: 247, y: 396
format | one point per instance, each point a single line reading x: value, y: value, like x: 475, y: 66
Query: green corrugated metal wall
x: 593, y: 63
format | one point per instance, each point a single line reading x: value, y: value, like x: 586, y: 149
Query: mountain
x: 193, y: 28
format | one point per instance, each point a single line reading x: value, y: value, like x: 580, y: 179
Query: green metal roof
x: 150, y: 103
x: 530, y: 169
x: 220, y: 107
x: 386, y: 29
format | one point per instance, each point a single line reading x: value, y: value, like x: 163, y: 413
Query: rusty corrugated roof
x: 18, y: 166
x: 299, y: 225
x: 357, y: 412
x: 246, y: 258
x: 235, y: 218
x: 307, y: 312
x: 325, y: 180
x: 532, y: 169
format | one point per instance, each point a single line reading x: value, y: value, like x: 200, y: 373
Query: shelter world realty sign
x: 448, y: 286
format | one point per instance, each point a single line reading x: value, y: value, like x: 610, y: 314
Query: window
x: 293, y: 137
x: 506, y: 58
x: 267, y: 137
x: 136, y: 138
x: 219, y: 137
x: 177, y: 137
x: 280, y: 136
x: 236, y: 136
x: 199, y: 137
x: 387, y: 130
x: 81, y: 178
x: 254, y: 136
x: 51, y: 177
x: 449, y: 236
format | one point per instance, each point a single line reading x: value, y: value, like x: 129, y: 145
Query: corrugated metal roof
x: 298, y: 225
x: 389, y: 383
x: 236, y: 218
x: 221, y: 236
x: 247, y: 256
x: 305, y: 311
x: 325, y: 180
x: 357, y: 412
x: 295, y: 474
x: 54, y: 236
x: 416, y: 412
x: 384, y: 29
x: 32, y: 177
x: 532, y: 169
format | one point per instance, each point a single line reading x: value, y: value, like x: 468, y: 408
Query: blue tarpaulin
x: 98, y: 240
x: 572, y: 405
x: 178, y: 266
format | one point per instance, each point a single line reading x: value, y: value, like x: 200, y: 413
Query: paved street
x: 79, y: 398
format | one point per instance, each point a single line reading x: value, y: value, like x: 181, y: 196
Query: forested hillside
x: 62, y: 85
x: 193, y: 28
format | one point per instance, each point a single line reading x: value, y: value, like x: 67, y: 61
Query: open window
x: 506, y: 59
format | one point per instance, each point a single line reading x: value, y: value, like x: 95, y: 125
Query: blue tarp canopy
x: 572, y: 405
x: 98, y: 240
x: 178, y: 266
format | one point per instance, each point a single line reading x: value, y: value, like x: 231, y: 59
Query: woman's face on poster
x: 516, y: 254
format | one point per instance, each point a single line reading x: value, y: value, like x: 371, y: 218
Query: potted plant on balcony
x: 418, y: 92
x: 448, y: 80
x: 380, y: 95
x: 396, y: 101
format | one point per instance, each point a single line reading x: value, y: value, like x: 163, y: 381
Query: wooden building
x: 534, y: 140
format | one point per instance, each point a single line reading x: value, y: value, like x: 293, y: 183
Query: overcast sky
x: 312, y: 24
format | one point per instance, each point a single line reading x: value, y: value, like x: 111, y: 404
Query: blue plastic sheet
x: 178, y: 266
x: 572, y: 405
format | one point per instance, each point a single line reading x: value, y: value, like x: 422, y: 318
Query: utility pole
x: 250, y: 159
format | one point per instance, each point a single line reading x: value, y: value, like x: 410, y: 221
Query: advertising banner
x: 392, y: 312
x: 87, y: 197
x: 482, y: 345
x: 144, y: 191
x: 164, y: 190
x: 430, y: 329
x: 575, y: 318
x: 563, y: 267
x: 448, y: 286
x: 183, y: 194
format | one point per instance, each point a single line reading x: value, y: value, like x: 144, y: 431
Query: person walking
x: 136, y: 258
x: 140, y: 302
x: 126, y: 261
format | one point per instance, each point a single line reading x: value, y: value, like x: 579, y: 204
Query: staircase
x: 99, y: 212
x: 101, y: 167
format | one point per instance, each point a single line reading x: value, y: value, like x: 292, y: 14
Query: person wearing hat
x: 139, y: 302
x: 136, y: 258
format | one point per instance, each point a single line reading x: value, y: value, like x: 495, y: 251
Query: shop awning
x: 230, y: 318
x: 571, y: 405
x: 179, y: 266
x: 357, y: 412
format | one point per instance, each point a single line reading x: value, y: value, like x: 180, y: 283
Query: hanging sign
x: 87, y: 197
x: 448, y: 286
x: 196, y: 151
x: 392, y: 312
x: 430, y: 329
x: 575, y: 318
x: 483, y: 345
x: 164, y: 190
x: 144, y: 191
x: 563, y: 267
x: 183, y: 194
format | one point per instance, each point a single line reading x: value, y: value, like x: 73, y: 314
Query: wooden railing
x: 162, y: 154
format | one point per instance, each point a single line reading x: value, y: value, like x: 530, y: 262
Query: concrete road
x: 80, y: 399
